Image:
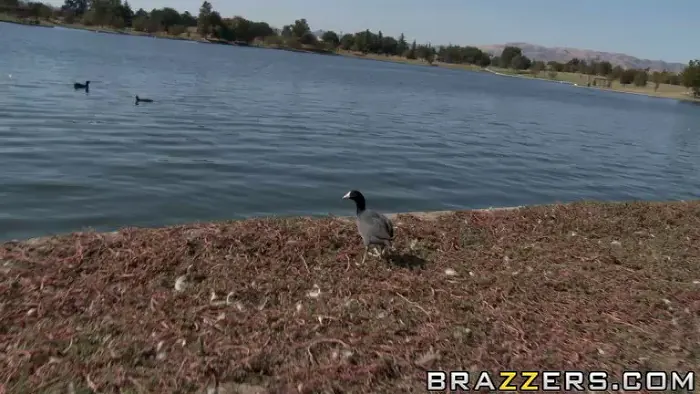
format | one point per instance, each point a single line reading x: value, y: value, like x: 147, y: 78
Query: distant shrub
x: 641, y: 78
x: 176, y: 30
x: 69, y: 18
x: 273, y: 41
x: 293, y: 42
x: 88, y: 18
x: 308, y: 38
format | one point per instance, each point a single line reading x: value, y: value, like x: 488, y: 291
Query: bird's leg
x: 364, y: 256
x: 386, y: 249
x: 386, y: 246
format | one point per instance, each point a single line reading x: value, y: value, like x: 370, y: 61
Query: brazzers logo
x: 558, y: 381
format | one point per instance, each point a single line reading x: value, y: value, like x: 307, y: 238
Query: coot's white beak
x: 346, y: 196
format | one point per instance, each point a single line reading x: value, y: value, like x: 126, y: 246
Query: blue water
x: 238, y: 132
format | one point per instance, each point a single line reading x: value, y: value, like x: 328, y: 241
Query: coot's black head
x: 357, y: 197
x: 87, y: 83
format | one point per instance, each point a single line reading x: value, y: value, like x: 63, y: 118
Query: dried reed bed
x: 280, y: 305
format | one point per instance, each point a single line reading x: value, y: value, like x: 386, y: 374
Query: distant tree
x: 593, y: 68
x: 555, y: 66
x: 347, y: 41
x: 104, y: 13
x: 641, y: 77
x: 141, y: 13
x: 361, y: 41
x: 658, y: 78
x: 401, y: 45
x: 690, y: 77
x: 75, y: 7
x: 204, y: 22
x: 125, y: 13
x: 509, y: 52
x: 376, y: 42
x: 9, y: 4
x: 389, y: 46
x: 261, y: 29
x: 485, y: 60
x: 627, y: 76
x: 223, y: 31
x: 238, y: 29
x: 140, y: 23
x: 429, y: 55
x: 300, y: 27
x: 287, y: 31
x: 520, y: 62
x: 308, y: 38
x: 617, y: 72
x: 38, y: 10
x: 603, y: 68
x: 425, y: 52
x: 219, y: 29
x: 167, y: 17
x: 673, y: 79
x: 537, y: 67
x: 412, y: 52
x: 609, y: 79
x: 188, y: 20
x: 331, y: 37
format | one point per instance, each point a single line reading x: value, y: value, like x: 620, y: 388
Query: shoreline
x: 421, y: 215
x: 350, y: 54
x: 686, y: 98
x: 428, y: 216
x: 283, y: 304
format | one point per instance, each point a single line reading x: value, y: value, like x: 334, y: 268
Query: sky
x: 647, y: 29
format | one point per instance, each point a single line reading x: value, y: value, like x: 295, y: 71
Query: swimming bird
x: 140, y: 100
x: 86, y: 86
x: 376, y: 229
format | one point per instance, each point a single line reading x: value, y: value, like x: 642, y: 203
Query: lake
x: 236, y: 132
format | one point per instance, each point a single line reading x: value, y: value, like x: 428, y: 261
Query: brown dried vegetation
x: 279, y: 305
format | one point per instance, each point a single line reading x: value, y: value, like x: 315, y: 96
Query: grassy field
x: 280, y: 305
x: 664, y: 90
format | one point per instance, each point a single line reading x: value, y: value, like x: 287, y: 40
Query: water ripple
x: 259, y: 132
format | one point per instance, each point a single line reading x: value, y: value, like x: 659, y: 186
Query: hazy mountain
x: 558, y: 54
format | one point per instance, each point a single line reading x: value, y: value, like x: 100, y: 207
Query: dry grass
x: 664, y: 90
x: 279, y: 305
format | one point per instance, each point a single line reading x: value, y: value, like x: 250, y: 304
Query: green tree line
x: 209, y: 24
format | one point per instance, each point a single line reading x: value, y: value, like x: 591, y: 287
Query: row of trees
x: 210, y: 24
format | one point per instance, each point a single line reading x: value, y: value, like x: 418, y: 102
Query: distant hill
x: 563, y: 55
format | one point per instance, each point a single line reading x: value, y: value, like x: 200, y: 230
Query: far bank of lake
x: 663, y: 91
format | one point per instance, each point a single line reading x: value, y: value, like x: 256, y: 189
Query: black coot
x: 142, y: 100
x: 85, y: 86
x: 376, y: 229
